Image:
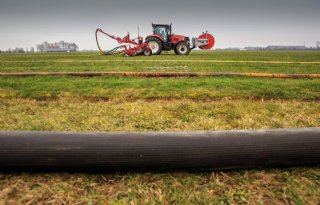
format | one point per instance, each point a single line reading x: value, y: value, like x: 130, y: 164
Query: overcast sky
x: 234, y: 23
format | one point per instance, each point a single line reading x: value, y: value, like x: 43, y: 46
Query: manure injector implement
x: 162, y: 39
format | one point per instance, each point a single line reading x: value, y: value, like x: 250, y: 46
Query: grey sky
x: 234, y: 23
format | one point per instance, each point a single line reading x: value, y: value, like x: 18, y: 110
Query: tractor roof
x: 166, y: 25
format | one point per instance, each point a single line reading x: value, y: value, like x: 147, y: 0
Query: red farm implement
x: 129, y: 47
x: 162, y: 39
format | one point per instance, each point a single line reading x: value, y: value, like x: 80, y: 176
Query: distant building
x: 276, y: 47
x: 57, y: 47
x: 251, y: 48
x: 318, y: 44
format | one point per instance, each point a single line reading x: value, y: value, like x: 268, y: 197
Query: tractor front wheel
x: 155, y: 44
x: 182, y: 48
x: 147, y: 51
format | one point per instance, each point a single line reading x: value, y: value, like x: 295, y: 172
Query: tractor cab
x: 163, y: 30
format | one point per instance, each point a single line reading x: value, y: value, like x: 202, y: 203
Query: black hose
x: 214, y: 150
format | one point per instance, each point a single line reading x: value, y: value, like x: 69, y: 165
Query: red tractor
x: 163, y: 39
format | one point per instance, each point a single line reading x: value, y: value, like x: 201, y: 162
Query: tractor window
x: 162, y: 31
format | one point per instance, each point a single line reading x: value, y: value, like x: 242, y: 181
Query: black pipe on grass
x: 214, y: 150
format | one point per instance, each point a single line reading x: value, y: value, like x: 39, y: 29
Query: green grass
x: 115, y: 66
x: 76, y: 114
x: 270, y: 186
x: 132, y: 88
x: 295, y: 56
x: 73, y: 62
x: 160, y: 104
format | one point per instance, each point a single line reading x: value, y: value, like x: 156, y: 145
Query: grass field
x: 161, y: 104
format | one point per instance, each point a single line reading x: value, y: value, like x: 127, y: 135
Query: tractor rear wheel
x: 182, y: 48
x: 155, y: 45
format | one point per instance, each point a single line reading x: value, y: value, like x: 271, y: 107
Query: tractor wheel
x: 155, y: 45
x: 182, y: 48
x: 147, y: 51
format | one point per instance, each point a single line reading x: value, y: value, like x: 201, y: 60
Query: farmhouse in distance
x: 57, y: 47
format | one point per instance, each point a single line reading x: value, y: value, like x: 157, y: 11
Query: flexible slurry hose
x: 159, y: 74
x: 110, y: 52
x: 213, y: 150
